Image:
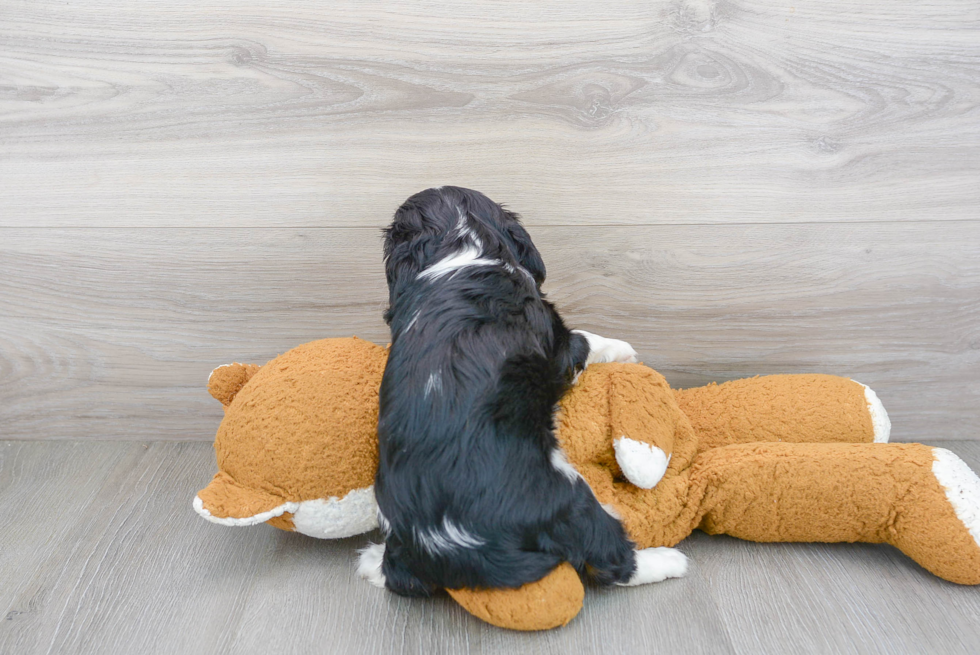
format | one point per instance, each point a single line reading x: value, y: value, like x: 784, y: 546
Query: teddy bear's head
x: 298, y: 446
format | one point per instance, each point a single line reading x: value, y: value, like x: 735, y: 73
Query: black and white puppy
x: 472, y: 487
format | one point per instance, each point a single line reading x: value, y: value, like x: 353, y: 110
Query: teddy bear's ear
x: 226, y: 381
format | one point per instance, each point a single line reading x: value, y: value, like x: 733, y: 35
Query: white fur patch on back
x: 962, y: 487
x: 411, y: 323
x: 324, y: 518
x: 369, y: 564
x: 657, y: 564
x: 447, y: 538
x: 643, y: 464
x: 561, y: 464
x: 603, y: 350
x: 434, y: 383
x: 879, y: 417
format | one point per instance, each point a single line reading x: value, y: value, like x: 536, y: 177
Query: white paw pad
x: 603, y: 350
x: 656, y: 565
x: 369, y: 564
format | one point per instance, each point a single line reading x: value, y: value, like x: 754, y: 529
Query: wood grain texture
x: 111, y: 333
x: 236, y: 113
x: 103, y: 554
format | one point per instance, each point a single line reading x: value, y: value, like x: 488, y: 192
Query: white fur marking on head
x: 962, y: 487
x: 369, y: 564
x: 465, y: 231
x: 468, y: 256
x: 449, y: 537
x: 643, y: 464
x: 879, y: 417
x: 603, y: 350
x: 561, y: 464
x: 434, y: 383
x: 657, y: 564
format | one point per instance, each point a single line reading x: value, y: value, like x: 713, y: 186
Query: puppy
x: 472, y: 487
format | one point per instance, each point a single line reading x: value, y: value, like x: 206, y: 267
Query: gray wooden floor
x: 102, y: 553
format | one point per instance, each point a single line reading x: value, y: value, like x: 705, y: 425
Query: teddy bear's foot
x: 656, y: 565
x: 880, y: 422
x: 961, y: 487
x: 602, y: 350
x: 937, y: 520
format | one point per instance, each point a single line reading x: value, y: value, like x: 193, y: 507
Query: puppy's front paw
x: 656, y: 565
x: 602, y: 349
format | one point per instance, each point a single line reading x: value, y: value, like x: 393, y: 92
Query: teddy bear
x: 772, y: 459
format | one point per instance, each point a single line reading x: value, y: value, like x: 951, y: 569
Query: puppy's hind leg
x: 608, y: 553
x: 377, y: 565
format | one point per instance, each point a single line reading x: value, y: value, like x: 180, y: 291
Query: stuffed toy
x: 777, y: 458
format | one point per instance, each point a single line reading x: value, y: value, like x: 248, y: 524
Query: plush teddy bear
x: 777, y: 458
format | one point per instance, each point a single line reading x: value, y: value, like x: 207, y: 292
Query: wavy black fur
x: 478, y: 361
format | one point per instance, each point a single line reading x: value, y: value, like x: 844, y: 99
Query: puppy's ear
x: 523, y: 247
x: 408, y: 247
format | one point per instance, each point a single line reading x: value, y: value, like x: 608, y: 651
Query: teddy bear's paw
x: 369, y: 564
x: 603, y: 350
x: 880, y: 422
x: 962, y: 487
x: 656, y: 565
x: 643, y: 464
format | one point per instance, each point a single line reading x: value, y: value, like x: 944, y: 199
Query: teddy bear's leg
x: 788, y: 408
x: 923, y: 500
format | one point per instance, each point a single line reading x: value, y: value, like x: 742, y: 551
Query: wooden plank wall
x: 737, y: 187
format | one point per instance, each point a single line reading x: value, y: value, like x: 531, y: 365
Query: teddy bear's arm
x: 923, y: 500
x: 642, y: 421
x: 788, y: 408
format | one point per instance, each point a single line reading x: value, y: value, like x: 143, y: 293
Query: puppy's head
x: 441, y: 221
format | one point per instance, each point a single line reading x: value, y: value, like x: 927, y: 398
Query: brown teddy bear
x: 777, y: 458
